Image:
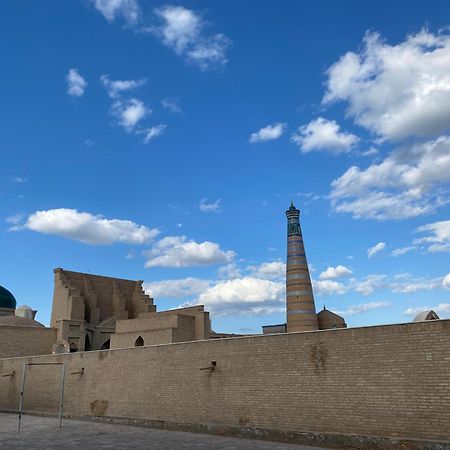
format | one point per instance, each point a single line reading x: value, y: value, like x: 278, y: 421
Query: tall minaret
x: 300, y: 308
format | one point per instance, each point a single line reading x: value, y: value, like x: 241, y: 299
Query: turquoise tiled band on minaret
x: 300, y: 308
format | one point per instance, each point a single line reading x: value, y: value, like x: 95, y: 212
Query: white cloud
x: 20, y: 179
x: 152, y: 132
x: 369, y: 284
x: 441, y: 308
x: 323, y: 134
x: 87, y: 228
x: 409, y: 182
x: 309, y: 197
x: 129, y: 10
x: 182, y: 30
x: 362, y: 308
x: 116, y: 88
x: 184, y: 287
x: 399, y: 90
x: 246, y: 295
x: 171, y: 104
x: 178, y: 251
x: 269, y: 270
x: 414, y: 286
x: 76, y: 84
x: 446, y: 281
x: 377, y: 248
x: 439, y: 238
x: 16, y: 219
x: 370, y: 152
x: 209, y: 207
x: 335, y: 272
x: 403, y: 250
x: 268, y: 133
x: 229, y: 272
x: 129, y: 112
x: 328, y: 287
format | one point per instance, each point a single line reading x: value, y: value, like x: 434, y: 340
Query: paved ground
x: 44, y: 433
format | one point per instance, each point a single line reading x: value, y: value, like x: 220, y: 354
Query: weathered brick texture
x: 25, y: 340
x: 383, y: 381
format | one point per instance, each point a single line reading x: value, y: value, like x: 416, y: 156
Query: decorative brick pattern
x: 300, y: 307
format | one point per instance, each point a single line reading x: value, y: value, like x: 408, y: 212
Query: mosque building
x: 93, y: 312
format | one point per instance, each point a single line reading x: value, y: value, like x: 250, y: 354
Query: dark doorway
x: 139, y: 342
x: 73, y: 348
x: 87, y: 344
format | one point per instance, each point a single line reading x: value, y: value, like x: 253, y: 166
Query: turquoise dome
x: 7, y: 300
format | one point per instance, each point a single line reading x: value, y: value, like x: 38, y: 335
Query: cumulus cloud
x: 395, y: 91
x: 171, y: 104
x: 178, y: 251
x: 128, y: 10
x: 369, y: 284
x: 439, y: 236
x: 268, y: 133
x: 377, y: 248
x: 183, y: 287
x: 179, y: 28
x: 325, y: 135
x: 446, y: 281
x: 129, y: 113
x: 409, y: 182
x: 399, y: 93
x: 269, y: 270
x: 206, y: 206
x: 328, y: 287
x: 363, y: 307
x: 335, y: 272
x: 246, y: 295
x: 87, y: 228
x: 116, y: 88
x: 183, y: 31
x: 441, y: 308
x: 152, y: 132
x: 229, y: 272
x: 76, y: 84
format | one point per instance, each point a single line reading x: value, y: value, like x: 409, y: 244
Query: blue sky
x: 164, y: 141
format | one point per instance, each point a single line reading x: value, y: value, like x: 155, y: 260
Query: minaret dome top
x: 292, y: 211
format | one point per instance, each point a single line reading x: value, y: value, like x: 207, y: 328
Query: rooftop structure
x: 426, y: 315
x: 7, y: 302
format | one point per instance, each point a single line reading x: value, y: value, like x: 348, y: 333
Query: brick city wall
x: 24, y: 340
x: 386, y: 381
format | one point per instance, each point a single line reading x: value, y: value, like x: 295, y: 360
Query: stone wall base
x: 326, y: 440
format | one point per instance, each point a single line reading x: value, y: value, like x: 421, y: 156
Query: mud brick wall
x: 388, y: 381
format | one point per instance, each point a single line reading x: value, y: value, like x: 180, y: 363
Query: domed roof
x: 327, y: 313
x: 426, y: 315
x: 7, y: 300
x: 19, y: 321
